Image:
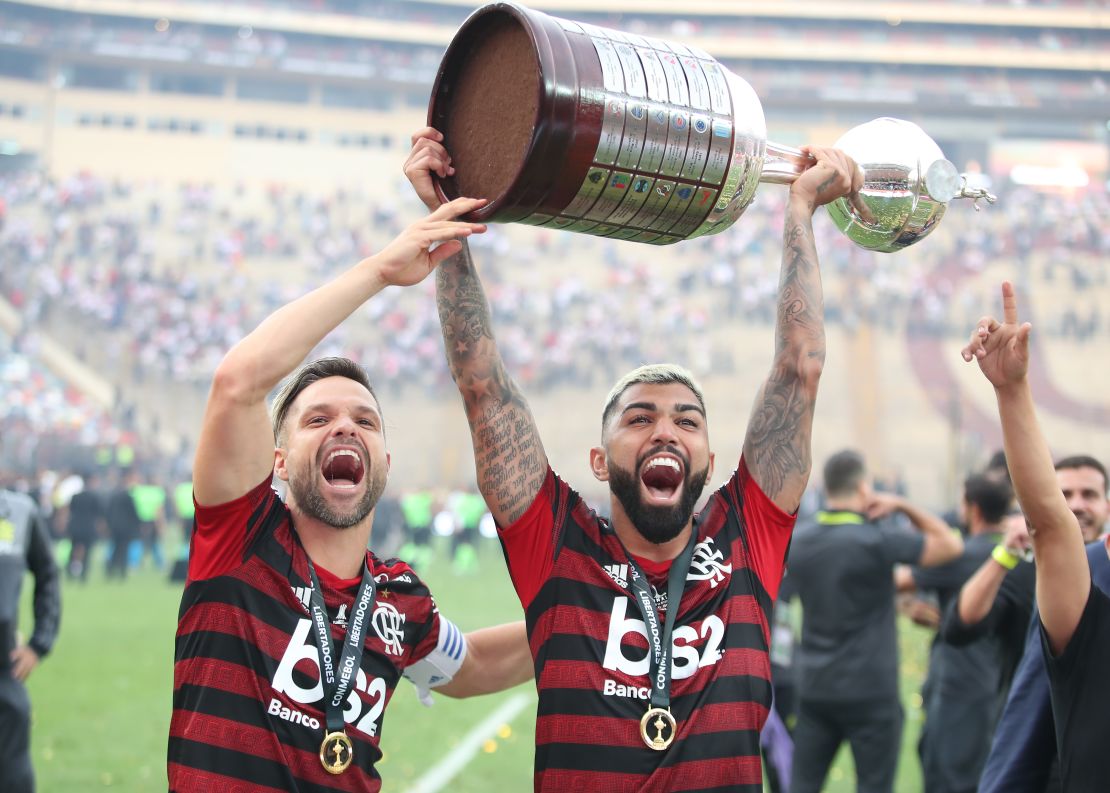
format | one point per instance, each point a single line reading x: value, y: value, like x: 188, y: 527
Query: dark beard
x: 311, y: 501
x: 656, y: 524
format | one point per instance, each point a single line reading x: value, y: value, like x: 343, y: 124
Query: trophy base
x: 488, y: 109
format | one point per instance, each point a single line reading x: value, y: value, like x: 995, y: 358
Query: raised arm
x: 942, y: 544
x: 777, y: 445
x: 235, y: 450
x: 1063, y: 577
x: 978, y: 595
x: 508, y: 455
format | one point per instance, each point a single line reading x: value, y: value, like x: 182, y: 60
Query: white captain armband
x: 440, y: 665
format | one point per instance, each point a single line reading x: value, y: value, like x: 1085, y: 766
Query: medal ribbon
x: 337, y: 681
x: 659, y: 641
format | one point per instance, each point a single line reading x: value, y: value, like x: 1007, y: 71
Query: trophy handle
x: 783, y: 164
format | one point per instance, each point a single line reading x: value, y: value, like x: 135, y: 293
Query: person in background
x: 84, y: 525
x: 123, y: 525
x: 24, y: 547
x: 841, y: 565
x: 960, y: 694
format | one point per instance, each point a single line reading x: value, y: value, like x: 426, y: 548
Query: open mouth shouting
x: 343, y: 468
x: 662, y: 476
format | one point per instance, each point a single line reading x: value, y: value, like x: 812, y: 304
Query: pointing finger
x: 1009, y: 303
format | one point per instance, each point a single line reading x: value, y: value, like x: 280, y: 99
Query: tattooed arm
x: 777, y: 445
x: 508, y: 455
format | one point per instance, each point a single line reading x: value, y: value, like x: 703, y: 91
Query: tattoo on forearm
x: 507, y: 451
x: 779, y: 434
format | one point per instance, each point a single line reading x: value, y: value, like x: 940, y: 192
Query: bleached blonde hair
x: 652, y: 374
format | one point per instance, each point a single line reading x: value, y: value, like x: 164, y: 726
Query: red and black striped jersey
x: 247, y: 698
x: 590, y: 644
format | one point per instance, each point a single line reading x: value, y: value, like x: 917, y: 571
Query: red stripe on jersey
x: 726, y: 717
x: 690, y: 775
x: 227, y: 734
x: 741, y: 661
x: 591, y: 730
x: 223, y: 618
x: 220, y: 675
x: 574, y: 674
x: 577, y: 621
x: 184, y: 779
x: 577, y: 566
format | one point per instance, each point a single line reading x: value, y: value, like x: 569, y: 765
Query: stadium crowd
x: 159, y: 281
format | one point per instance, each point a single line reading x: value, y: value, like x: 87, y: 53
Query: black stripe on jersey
x: 739, y: 689
x: 758, y: 591
x: 239, y: 766
x: 568, y: 502
x: 549, y: 597
x: 235, y: 594
x: 190, y: 596
x: 639, y: 759
x: 267, y: 516
x: 272, y: 553
x: 724, y: 691
x: 224, y: 648
x: 238, y: 708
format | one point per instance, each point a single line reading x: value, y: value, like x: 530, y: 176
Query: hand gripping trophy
x: 566, y: 125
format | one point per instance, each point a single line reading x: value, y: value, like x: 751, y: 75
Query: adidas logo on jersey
x: 619, y: 573
x: 303, y: 594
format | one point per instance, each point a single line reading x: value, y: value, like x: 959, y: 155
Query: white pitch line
x: 444, y: 771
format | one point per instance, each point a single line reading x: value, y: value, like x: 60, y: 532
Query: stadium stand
x: 170, y: 181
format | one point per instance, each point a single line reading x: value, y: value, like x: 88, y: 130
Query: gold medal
x: 336, y: 752
x: 662, y: 722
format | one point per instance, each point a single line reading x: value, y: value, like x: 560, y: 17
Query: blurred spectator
x: 961, y: 691
x: 24, y: 547
x: 842, y: 566
x: 123, y: 525
x: 84, y: 526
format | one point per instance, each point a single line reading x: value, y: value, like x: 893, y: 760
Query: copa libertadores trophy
x: 571, y: 126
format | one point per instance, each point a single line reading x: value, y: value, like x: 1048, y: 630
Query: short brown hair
x: 308, y: 374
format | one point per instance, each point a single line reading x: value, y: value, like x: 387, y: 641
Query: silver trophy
x: 570, y: 126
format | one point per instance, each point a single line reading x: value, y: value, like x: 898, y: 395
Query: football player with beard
x: 292, y: 636
x: 649, y: 631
